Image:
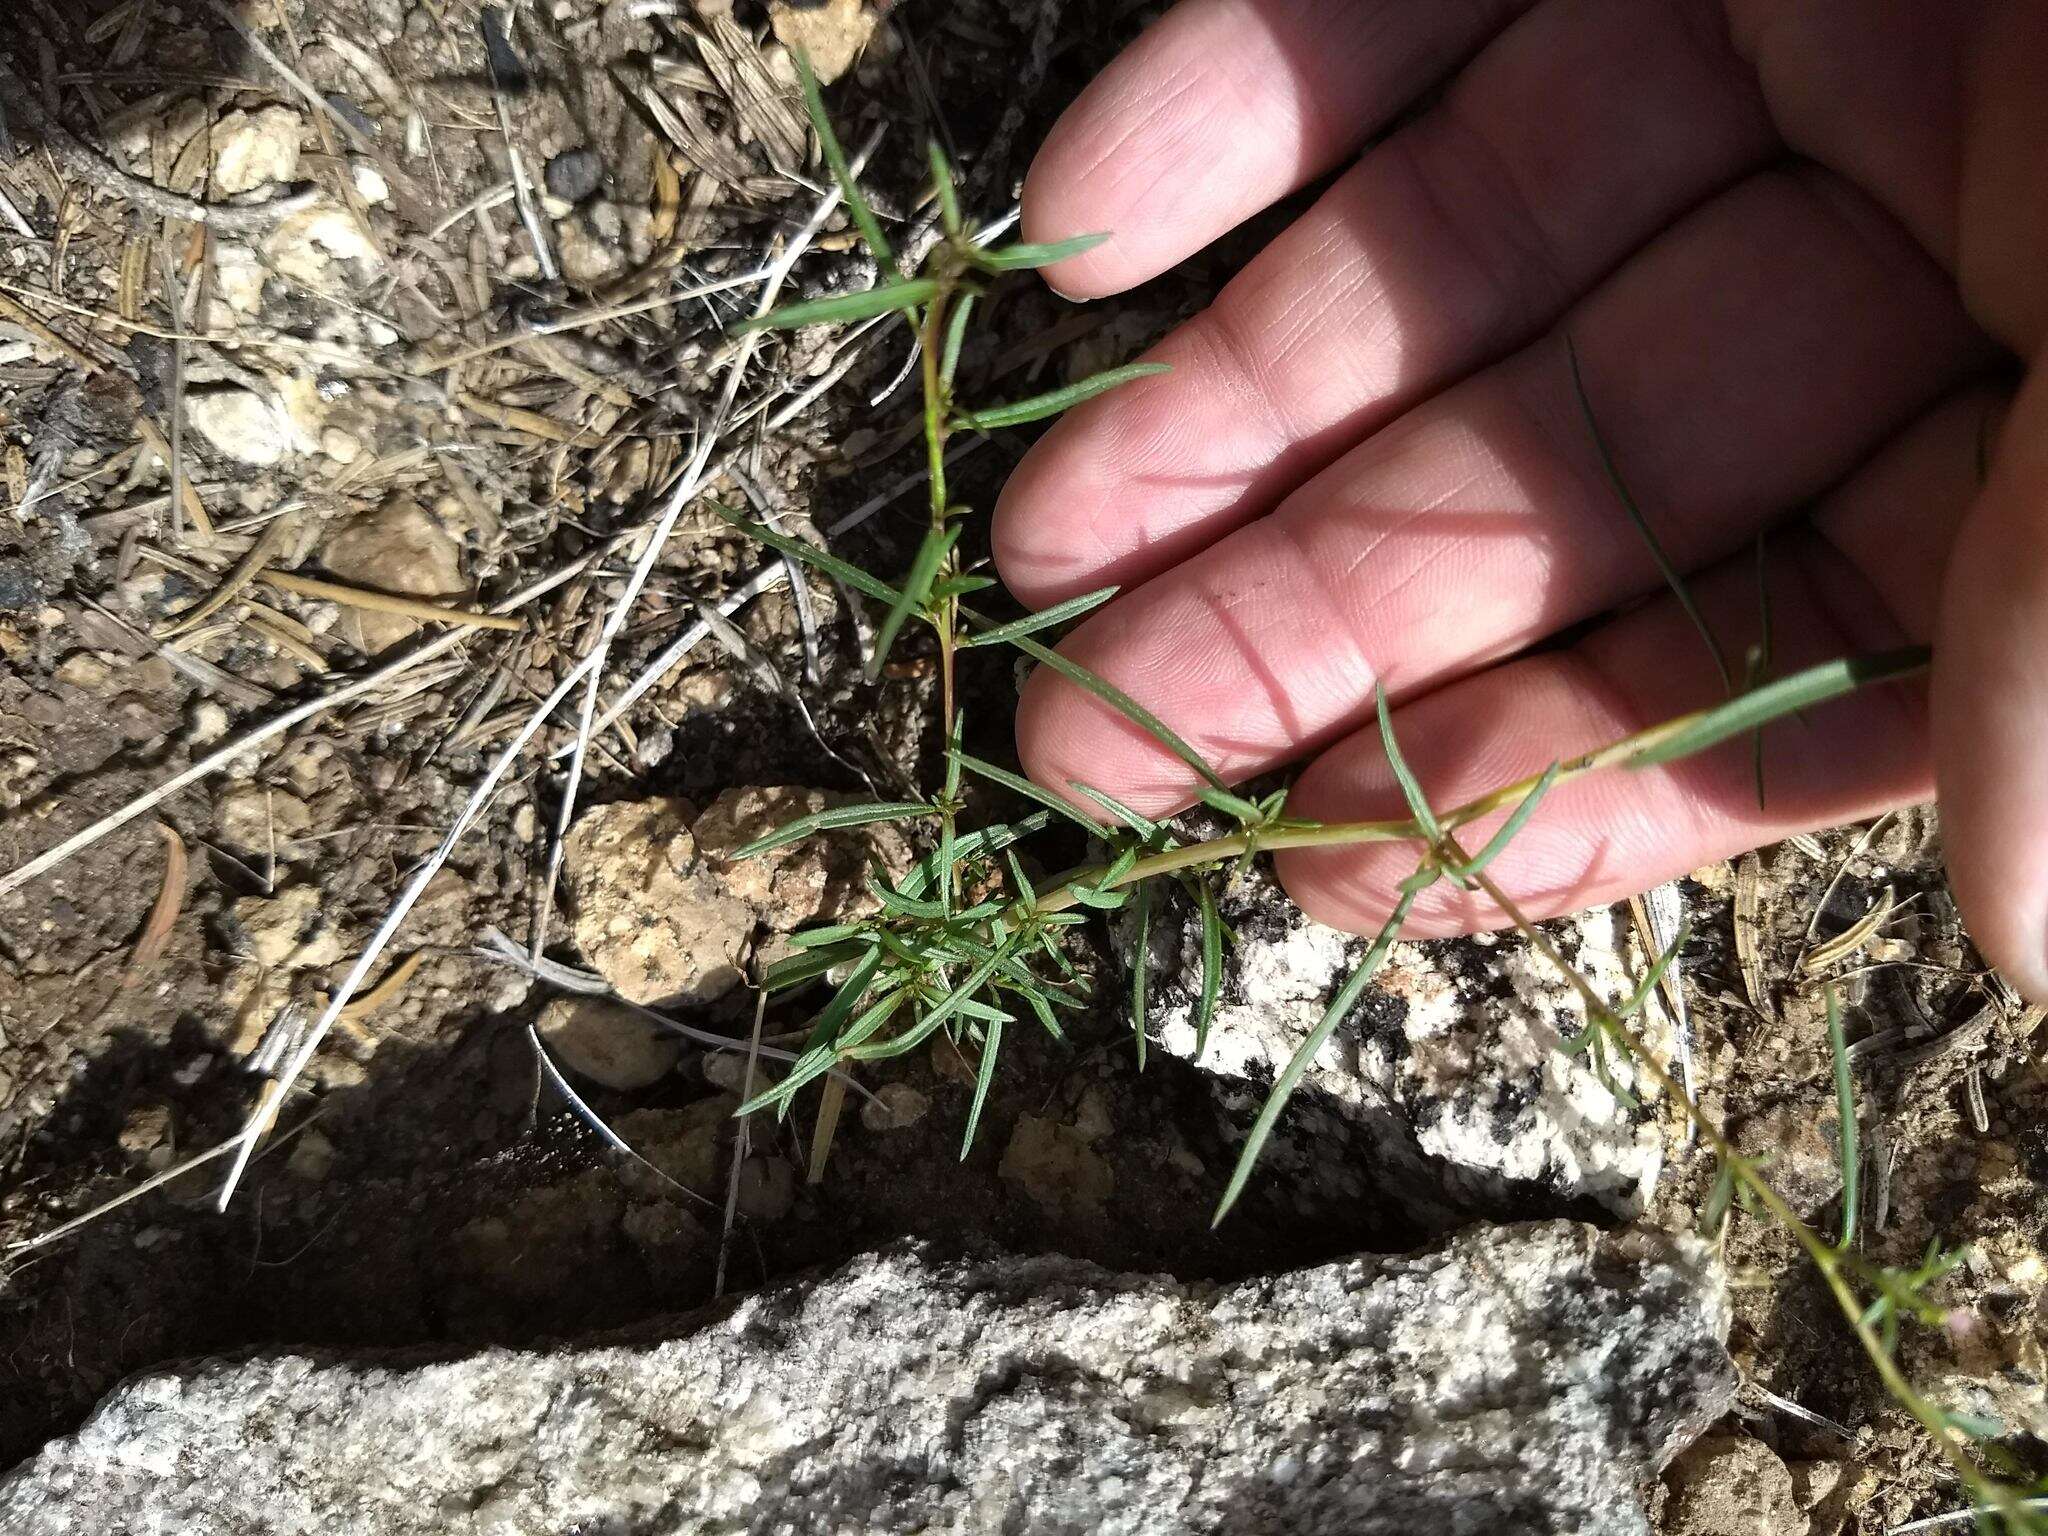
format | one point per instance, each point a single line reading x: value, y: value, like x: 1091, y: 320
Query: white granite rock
x: 1448, y: 1068
x: 1518, y: 1379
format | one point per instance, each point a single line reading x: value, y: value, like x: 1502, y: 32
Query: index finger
x: 1224, y: 107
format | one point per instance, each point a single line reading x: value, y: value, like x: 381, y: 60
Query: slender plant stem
x: 946, y: 619
x: 1825, y: 1256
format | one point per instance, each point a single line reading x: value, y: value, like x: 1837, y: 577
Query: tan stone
x: 832, y: 34
x: 1731, y: 1485
x: 1054, y: 1166
x: 822, y: 879
x: 251, y: 816
x: 400, y: 549
x: 597, y: 1038
x: 255, y: 149
x: 647, y: 913
x: 288, y: 931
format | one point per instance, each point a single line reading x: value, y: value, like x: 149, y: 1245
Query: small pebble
x: 596, y: 1038
x: 894, y: 1106
x: 575, y: 174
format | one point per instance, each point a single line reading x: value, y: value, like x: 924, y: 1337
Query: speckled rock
x: 1448, y: 1069
x: 1518, y: 1379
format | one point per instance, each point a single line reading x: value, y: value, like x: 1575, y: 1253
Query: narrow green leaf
x: 1018, y: 258
x: 972, y: 845
x: 1663, y: 963
x: 831, y: 820
x: 811, y: 1065
x: 1025, y: 891
x: 1123, y: 704
x: 1802, y: 690
x: 898, y: 904
x: 992, y: 1039
x: 837, y: 933
x: 872, y: 1018
x: 1234, y: 806
x: 897, y: 1045
x: 1665, y: 568
x: 1411, y: 791
x: 1212, y: 964
x: 811, y: 555
x: 1038, y: 1005
x: 808, y: 964
x: 1849, y: 1142
x: 961, y: 586
x: 956, y: 339
x: 835, y: 158
x: 1141, y: 967
x: 1580, y: 1043
x: 1144, y: 826
x: 931, y: 554
x: 1718, y: 1200
x: 1519, y: 819
x: 1018, y: 784
x: 984, y: 1013
x: 1045, y: 618
x: 943, y: 185
x: 845, y: 1000
x: 976, y: 980
x: 1297, y: 1064
x: 842, y: 307
x: 1101, y: 900
x: 1053, y: 401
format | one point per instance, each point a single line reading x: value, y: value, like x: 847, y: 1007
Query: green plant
x: 966, y: 943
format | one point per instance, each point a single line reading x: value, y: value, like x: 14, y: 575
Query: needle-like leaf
x: 1017, y: 784
x: 1212, y: 964
x: 931, y: 554
x: 1053, y: 401
x: 1236, y: 807
x: 1045, y: 618
x: 842, y: 307
x: 1665, y: 568
x: 1018, y: 258
x: 1517, y: 820
x: 835, y: 158
x: 1297, y: 1064
x: 811, y: 555
x: 985, y: 1074
x: 944, y: 188
x: 1144, y: 826
x: 1411, y: 790
x: 956, y: 339
x: 833, y: 818
x: 1802, y: 690
x: 1123, y: 704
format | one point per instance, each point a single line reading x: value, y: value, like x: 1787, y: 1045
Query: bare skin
x: 1801, y: 249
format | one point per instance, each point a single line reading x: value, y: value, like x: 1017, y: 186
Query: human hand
x: 1795, y: 245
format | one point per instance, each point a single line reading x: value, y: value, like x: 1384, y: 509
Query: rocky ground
x: 448, y: 368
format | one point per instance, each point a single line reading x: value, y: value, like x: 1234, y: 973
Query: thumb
x: 1990, y: 700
